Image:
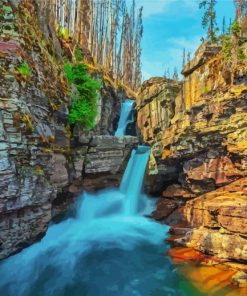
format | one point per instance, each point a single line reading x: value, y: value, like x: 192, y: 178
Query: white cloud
x: 190, y: 44
x: 154, y: 7
x: 171, y: 57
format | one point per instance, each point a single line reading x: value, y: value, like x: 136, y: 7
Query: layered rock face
x: 156, y: 106
x: 40, y: 158
x: 155, y: 109
x: 201, y: 153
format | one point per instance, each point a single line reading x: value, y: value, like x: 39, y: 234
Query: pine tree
x: 175, y: 74
x: 184, y: 58
x: 224, y: 26
x: 110, y: 29
x: 188, y: 57
x: 209, y: 18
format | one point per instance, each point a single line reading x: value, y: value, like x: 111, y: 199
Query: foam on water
x: 107, y: 249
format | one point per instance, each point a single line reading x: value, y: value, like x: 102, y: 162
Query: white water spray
x: 107, y: 226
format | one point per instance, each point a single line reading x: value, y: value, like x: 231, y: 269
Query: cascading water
x: 126, y: 108
x: 131, y: 184
x: 107, y: 249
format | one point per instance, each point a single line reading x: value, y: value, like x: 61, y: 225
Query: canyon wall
x: 44, y: 163
x: 199, y: 159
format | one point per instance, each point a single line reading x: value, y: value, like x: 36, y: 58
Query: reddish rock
x: 203, y: 134
x: 176, y: 191
x: 221, y: 170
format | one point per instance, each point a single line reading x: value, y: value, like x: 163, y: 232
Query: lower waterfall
x: 108, y: 248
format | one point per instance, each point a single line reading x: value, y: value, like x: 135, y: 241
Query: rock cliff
x: 43, y: 163
x: 199, y: 139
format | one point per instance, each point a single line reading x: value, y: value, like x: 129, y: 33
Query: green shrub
x: 235, y: 28
x: 24, y: 69
x: 78, y: 54
x: 227, y: 43
x: 227, y: 47
x: 85, y: 93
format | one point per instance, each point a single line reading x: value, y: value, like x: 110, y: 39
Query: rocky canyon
x: 178, y: 165
x: 198, y: 132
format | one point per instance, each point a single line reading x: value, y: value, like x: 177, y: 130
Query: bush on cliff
x: 85, y: 94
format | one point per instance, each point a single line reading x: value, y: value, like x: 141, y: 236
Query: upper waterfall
x: 126, y: 108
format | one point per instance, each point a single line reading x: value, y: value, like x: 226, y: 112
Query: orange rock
x: 166, y: 153
x: 211, y: 280
x: 184, y: 254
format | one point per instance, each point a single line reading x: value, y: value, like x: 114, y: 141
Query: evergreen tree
x: 184, y: 58
x: 209, y: 18
x: 175, y: 74
x: 111, y: 29
x: 224, y: 26
x: 188, y: 57
x: 241, y: 14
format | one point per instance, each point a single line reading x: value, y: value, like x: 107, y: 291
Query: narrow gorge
x: 110, y: 185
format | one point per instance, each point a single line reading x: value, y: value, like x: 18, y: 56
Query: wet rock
x: 108, y: 154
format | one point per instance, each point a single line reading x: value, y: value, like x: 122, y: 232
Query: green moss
x: 85, y: 94
x: 24, y: 69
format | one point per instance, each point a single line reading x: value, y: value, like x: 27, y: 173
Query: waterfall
x: 105, y: 249
x: 126, y: 201
x: 132, y: 181
x: 126, y: 108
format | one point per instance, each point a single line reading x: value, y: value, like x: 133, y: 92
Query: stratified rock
x: 200, y: 150
x: 155, y: 105
x: 43, y: 163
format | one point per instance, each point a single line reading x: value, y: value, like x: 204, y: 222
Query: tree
x: 241, y: 14
x: 175, y: 74
x: 209, y: 18
x: 184, y: 58
x: 110, y: 29
x: 188, y: 57
x: 224, y: 26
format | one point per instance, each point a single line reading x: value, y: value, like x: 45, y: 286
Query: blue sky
x: 170, y: 26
